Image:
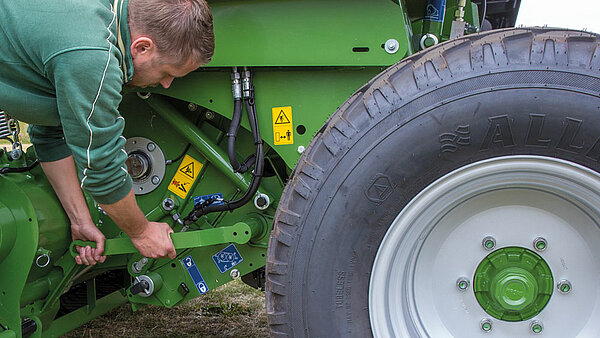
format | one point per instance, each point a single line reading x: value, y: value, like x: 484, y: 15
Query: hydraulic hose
x: 257, y: 159
x: 231, y: 135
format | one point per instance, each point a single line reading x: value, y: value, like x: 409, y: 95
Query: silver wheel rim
x: 437, y: 239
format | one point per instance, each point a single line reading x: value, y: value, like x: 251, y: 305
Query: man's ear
x: 142, y: 47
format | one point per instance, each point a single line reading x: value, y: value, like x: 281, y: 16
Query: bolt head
x: 209, y: 115
x: 144, y: 260
x: 540, y: 244
x: 462, y: 283
x: 301, y: 149
x: 151, y: 146
x: 234, y: 274
x: 192, y: 106
x: 155, y: 180
x: 564, y: 286
x: 391, y: 46
x: 489, y: 243
x: 536, y: 327
x: 486, y: 325
x: 168, y: 204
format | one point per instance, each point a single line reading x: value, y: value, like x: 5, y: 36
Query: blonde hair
x: 180, y: 29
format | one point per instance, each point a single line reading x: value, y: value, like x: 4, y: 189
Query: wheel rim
x: 426, y: 270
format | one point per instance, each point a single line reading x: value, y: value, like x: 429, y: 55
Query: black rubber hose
x: 9, y: 170
x: 256, y: 174
x: 231, y: 135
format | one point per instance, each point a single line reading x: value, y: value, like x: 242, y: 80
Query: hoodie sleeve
x: 88, y: 91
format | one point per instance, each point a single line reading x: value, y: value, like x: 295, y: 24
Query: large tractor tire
x: 454, y: 195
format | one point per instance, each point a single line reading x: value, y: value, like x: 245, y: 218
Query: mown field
x: 233, y: 310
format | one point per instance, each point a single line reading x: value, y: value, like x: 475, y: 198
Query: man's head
x: 170, y: 38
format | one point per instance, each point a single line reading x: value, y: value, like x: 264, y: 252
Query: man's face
x: 154, y: 70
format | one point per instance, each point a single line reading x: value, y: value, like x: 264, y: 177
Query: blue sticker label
x: 218, y: 199
x: 227, y: 258
x: 435, y: 10
x: 190, y: 265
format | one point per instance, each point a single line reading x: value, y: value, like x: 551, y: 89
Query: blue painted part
x: 204, y: 198
x: 227, y: 258
x: 435, y: 10
x: 191, y: 268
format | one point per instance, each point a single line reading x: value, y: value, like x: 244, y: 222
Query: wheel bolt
x: 564, y: 286
x: 462, y: 283
x: 536, y: 326
x: 486, y: 325
x: 540, y: 244
x: 489, y: 243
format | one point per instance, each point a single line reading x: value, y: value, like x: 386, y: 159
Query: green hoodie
x: 62, y: 67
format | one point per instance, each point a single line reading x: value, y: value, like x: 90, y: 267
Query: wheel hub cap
x: 513, y: 284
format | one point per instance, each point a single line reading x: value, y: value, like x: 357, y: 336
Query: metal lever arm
x: 239, y: 233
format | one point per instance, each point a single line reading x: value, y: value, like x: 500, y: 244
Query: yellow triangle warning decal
x: 188, y: 170
x: 282, y: 118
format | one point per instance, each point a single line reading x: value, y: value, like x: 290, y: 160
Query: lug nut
x: 540, y: 244
x: 489, y: 243
x: 564, y: 286
x: 462, y: 283
x: 486, y: 325
x: 536, y: 326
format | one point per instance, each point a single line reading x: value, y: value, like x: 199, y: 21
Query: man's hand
x: 155, y: 241
x: 87, y: 254
x: 63, y: 178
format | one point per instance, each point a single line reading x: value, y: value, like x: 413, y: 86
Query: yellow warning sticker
x: 186, y: 174
x: 283, y: 128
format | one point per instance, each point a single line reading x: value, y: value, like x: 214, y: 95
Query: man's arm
x: 63, y: 177
x: 150, y: 238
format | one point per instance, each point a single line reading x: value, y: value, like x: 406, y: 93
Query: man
x: 62, y: 68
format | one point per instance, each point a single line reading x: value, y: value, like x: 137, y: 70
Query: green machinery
x: 401, y: 172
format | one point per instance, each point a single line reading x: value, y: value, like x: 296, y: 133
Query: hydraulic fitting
x: 236, y: 85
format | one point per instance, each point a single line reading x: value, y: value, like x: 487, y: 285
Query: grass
x: 232, y: 310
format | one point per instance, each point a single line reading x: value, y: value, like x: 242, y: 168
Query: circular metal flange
x: 428, y: 37
x: 439, y: 232
x: 150, y: 290
x: 42, y: 260
x: 145, y: 164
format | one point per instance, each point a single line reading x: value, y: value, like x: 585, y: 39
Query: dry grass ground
x: 233, y: 310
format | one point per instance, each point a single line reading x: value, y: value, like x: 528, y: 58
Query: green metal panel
x: 307, y: 33
x: 313, y: 93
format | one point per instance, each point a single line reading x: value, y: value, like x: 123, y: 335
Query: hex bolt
x: 564, y: 286
x: 155, y: 180
x: 151, y: 146
x: 192, y: 106
x: 536, y: 327
x: 234, y: 274
x: 301, y: 149
x: 489, y: 243
x: 540, y: 244
x: 462, y: 283
x: 486, y: 325
x: 209, y: 115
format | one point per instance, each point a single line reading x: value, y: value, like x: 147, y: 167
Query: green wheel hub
x: 513, y: 284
